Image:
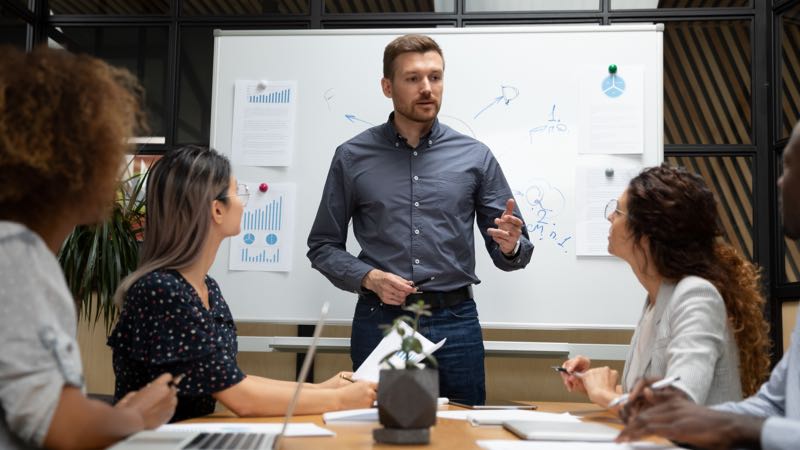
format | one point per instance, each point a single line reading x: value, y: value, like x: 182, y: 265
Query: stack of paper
x: 498, y: 416
x: 552, y: 445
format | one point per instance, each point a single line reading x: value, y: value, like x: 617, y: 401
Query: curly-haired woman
x: 702, y: 320
x: 64, y: 120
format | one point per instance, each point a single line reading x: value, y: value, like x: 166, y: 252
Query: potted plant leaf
x: 95, y: 258
x: 409, y: 385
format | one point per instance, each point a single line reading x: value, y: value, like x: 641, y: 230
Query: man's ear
x: 217, y: 211
x: 386, y: 86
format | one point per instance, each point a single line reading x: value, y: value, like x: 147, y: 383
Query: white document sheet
x: 612, y: 111
x: 553, y: 445
x: 352, y: 415
x: 265, y: 240
x: 498, y: 416
x: 263, y: 122
x: 293, y: 430
x: 598, y: 179
x: 371, y: 367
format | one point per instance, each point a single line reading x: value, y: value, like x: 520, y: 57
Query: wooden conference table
x: 446, y: 434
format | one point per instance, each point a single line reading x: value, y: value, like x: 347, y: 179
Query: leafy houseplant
x: 408, y: 391
x: 95, y: 258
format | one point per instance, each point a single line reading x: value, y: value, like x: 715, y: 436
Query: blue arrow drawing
x: 508, y: 93
x: 352, y: 118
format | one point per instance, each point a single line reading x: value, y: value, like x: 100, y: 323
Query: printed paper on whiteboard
x: 265, y: 240
x: 263, y: 123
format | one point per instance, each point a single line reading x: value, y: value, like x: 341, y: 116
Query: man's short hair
x: 417, y: 43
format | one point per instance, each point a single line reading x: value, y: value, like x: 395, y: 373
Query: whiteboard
x: 338, y: 74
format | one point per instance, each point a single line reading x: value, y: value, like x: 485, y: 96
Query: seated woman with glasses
x: 174, y: 317
x: 702, y: 319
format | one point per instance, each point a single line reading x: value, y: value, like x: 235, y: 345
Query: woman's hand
x: 155, y: 402
x: 361, y: 394
x: 600, y: 385
x: 337, y: 381
x: 576, y: 365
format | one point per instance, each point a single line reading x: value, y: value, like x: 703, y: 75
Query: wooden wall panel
x: 707, y: 82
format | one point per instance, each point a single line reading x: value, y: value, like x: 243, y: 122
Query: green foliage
x: 409, y: 343
x: 95, y: 258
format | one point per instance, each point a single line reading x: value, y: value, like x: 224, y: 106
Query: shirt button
x: 416, y: 231
x: 430, y: 142
x: 416, y: 204
x: 416, y: 261
x: 415, y: 153
x: 397, y: 144
x: 416, y: 178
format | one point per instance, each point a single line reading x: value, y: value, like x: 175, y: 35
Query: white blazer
x: 691, y: 338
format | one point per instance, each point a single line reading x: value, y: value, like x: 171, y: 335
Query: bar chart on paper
x: 264, y: 242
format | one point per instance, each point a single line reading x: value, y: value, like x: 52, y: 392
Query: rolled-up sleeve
x: 37, y: 361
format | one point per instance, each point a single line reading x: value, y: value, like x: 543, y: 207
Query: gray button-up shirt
x: 413, y: 209
x: 778, y: 401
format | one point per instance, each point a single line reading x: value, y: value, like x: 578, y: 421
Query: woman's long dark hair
x: 180, y: 189
x: 678, y: 213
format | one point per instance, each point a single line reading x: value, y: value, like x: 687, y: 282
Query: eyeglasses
x: 242, y: 191
x: 612, y: 209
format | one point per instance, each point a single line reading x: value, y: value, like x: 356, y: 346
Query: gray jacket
x: 690, y: 338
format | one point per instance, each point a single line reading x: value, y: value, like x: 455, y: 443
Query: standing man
x: 413, y: 188
x: 768, y: 420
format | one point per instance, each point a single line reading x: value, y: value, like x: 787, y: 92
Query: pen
x: 561, y: 369
x: 345, y: 377
x: 417, y: 284
x: 175, y: 381
x: 660, y: 384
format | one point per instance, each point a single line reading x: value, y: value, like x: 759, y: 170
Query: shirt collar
x: 432, y: 136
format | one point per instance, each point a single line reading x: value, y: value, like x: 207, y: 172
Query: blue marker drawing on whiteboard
x: 353, y: 119
x: 552, y: 126
x: 613, y: 86
x: 507, y: 94
x: 545, y: 202
x: 328, y: 96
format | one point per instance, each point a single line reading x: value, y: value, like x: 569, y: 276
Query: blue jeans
x: 461, y: 371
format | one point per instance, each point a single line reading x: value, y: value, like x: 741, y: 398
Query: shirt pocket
x: 454, y: 192
x: 65, y: 352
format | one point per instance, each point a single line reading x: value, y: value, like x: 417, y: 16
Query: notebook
x: 190, y: 440
x: 561, y: 431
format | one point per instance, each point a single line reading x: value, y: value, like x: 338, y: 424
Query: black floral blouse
x: 164, y: 327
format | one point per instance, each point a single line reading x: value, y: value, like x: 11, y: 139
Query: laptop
x: 561, y: 431
x: 236, y: 440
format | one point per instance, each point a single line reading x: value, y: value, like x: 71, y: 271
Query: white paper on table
x: 572, y: 445
x: 351, y: 415
x: 498, y: 416
x: 363, y: 414
x: 370, y: 369
x: 612, y: 111
x: 263, y: 122
x: 264, y: 242
x: 293, y: 430
x: 593, y: 190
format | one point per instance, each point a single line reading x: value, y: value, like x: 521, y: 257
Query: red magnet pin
x: 263, y: 187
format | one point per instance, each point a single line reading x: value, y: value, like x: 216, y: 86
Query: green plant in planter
x: 407, y: 399
x: 410, y: 345
x: 95, y: 258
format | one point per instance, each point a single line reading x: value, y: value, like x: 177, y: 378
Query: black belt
x: 436, y: 299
